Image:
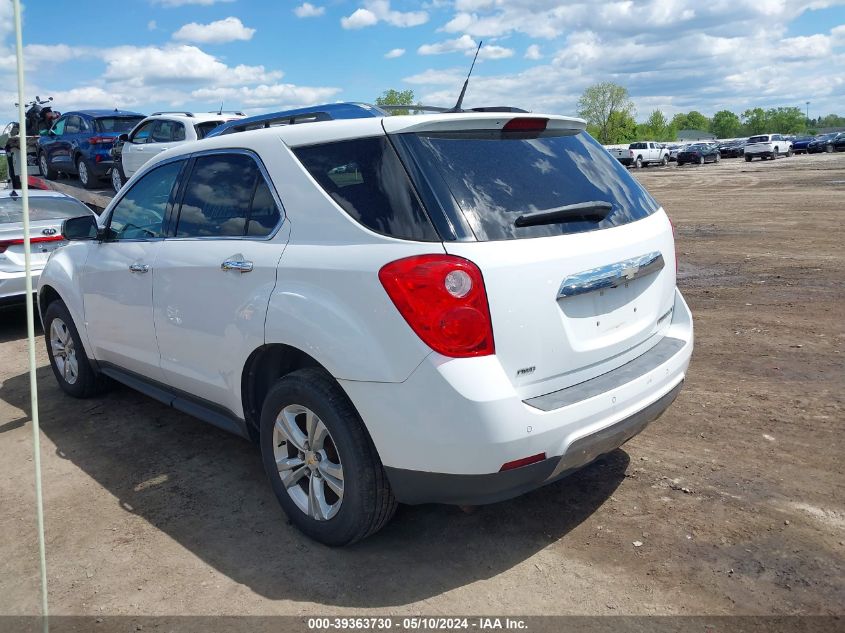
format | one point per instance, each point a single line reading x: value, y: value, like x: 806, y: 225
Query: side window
x: 205, y: 127
x: 72, y: 125
x: 218, y: 196
x: 142, y: 134
x: 264, y: 214
x: 140, y: 213
x: 59, y: 127
x: 167, y: 132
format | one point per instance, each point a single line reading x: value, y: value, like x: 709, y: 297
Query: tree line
x: 609, y: 112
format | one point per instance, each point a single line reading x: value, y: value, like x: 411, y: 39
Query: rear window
x: 758, y: 139
x: 205, y: 127
x: 495, y: 177
x: 11, y: 209
x: 367, y: 180
x: 638, y: 146
x: 117, y: 124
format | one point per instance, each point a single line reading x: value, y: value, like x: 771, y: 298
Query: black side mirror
x: 123, y: 137
x: 81, y: 228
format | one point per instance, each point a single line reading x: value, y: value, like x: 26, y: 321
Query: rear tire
x: 86, y: 178
x: 747, y: 158
x: 701, y: 160
x: 775, y: 154
x: 718, y: 157
x: 341, y: 446
x: 74, y: 372
x: 828, y: 149
x: 48, y: 172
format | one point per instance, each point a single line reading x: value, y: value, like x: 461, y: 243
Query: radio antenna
x: 460, y: 102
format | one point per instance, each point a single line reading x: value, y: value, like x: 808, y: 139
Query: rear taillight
x: 4, y: 244
x: 443, y: 299
x: 101, y: 140
x: 526, y: 124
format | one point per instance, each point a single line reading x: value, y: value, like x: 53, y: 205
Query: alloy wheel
x: 43, y: 165
x: 64, y: 351
x: 82, y: 168
x: 116, y: 180
x: 308, y: 461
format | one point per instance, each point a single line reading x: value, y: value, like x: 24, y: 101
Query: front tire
x: 86, y: 178
x: 775, y: 154
x: 828, y: 149
x: 747, y: 158
x: 321, y: 462
x: 117, y: 178
x: 664, y: 162
x: 638, y: 163
x: 70, y: 364
x: 718, y: 157
x: 701, y: 160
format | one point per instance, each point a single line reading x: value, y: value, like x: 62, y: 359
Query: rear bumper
x: 414, y: 487
x: 13, y: 286
x: 445, y: 432
x: 627, y: 161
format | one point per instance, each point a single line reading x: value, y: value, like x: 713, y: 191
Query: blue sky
x: 675, y: 55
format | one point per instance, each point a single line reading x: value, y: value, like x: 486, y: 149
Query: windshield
x: 494, y: 178
x: 117, y: 124
x: 696, y: 148
x: 41, y: 208
x: 758, y: 139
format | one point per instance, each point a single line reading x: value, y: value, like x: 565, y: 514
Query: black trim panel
x: 415, y: 487
x: 179, y: 400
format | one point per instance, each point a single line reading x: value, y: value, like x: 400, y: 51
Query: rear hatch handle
x: 611, y: 275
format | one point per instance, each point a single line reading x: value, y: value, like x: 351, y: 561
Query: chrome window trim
x: 611, y: 275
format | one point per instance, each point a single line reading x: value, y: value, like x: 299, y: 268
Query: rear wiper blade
x: 593, y: 211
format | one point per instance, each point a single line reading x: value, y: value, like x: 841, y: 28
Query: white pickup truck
x: 767, y: 146
x: 644, y: 153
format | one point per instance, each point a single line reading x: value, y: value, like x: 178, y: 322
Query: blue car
x: 80, y: 143
x: 799, y: 145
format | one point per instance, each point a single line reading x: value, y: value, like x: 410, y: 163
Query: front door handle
x: 237, y: 264
x: 139, y: 268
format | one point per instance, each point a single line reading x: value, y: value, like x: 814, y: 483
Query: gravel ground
x: 731, y: 503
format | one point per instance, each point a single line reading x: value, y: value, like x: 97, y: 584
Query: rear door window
x: 367, y: 180
x: 226, y: 196
x: 167, y: 132
x: 495, y: 177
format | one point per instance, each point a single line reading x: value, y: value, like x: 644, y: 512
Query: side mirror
x: 81, y: 228
x: 123, y: 137
x: 43, y: 132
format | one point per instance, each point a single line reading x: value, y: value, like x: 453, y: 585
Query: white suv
x: 451, y: 308
x: 159, y: 132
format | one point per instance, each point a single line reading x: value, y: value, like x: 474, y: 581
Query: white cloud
x: 308, y: 10
x: 277, y: 96
x: 375, y: 11
x: 181, y: 3
x: 533, y: 52
x: 462, y: 44
x: 151, y: 25
x: 491, y: 51
x: 229, y: 29
x: 393, y: 53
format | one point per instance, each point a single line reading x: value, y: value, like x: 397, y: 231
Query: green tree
x: 692, y: 120
x: 396, y: 98
x: 725, y: 124
x: 656, y: 128
x: 609, y: 111
x: 831, y: 120
x: 755, y: 121
x: 786, y: 120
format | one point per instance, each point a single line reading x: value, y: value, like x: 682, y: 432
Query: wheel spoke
x: 317, y: 431
x: 333, y: 476
x: 291, y: 477
x: 288, y: 463
x: 317, y: 506
x: 286, y: 426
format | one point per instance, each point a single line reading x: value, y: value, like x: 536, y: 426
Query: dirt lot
x: 737, y: 494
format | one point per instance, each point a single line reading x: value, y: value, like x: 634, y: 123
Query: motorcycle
x: 39, y: 118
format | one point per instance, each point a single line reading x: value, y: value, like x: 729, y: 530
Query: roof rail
x: 238, y: 112
x: 325, y: 112
x: 173, y: 112
x: 425, y: 108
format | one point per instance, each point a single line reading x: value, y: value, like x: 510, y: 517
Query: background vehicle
x: 158, y: 132
x: 47, y: 211
x: 80, y: 143
x: 545, y: 319
x: 639, y: 154
x: 699, y: 153
x: 766, y: 146
x: 732, y: 149
x: 799, y: 145
x: 826, y: 143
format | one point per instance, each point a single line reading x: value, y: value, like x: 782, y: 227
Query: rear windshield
x: 638, y: 146
x: 117, y: 124
x: 11, y: 209
x: 758, y: 139
x: 205, y: 127
x: 496, y: 177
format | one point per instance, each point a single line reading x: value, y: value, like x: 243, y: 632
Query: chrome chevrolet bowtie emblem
x: 48, y: 232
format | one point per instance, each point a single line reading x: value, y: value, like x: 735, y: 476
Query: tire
x: 718, y: 158
x: 747, y: 158
x: 86, y: 178
x: 775, y: 154
x: 680, y: 162
x: 639, y: 162
x: 701, y: 160
x: 48, y: 172
x: 74, y: 372
x: 117, y: 178
x: 366, y: 503
x: 665, y: 161
x: 789, y: 153
x: 828, y: 149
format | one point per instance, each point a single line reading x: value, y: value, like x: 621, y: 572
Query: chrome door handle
x: 139, y: 268
x: 237, y: 264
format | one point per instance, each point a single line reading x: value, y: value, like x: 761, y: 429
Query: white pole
x: 30, y: 320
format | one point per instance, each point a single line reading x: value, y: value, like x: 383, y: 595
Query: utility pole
x: 808, y: 112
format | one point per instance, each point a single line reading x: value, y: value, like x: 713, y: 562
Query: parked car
x: 80, y: 143
x: 699, y: 153
x: 765, y: 146
x: 799, y: 145
x: 640, y: 154
x: 673, y: 152
x: 830, y: 142
x: 384, y: 333
x: 732, y: 149
x: 47, y: 210
x: 158, y: 132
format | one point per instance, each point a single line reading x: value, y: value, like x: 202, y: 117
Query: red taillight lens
x: 101, y: 140
x: 443, y: 299
x: 526, y: 124
x: 4, y: 244
x: 525, y: 461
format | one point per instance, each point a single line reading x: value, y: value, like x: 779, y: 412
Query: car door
x: 134, y: 152
x: 215, y: 273
x: 166, y: 133
x: 117, y: 283
x: 55, y: 146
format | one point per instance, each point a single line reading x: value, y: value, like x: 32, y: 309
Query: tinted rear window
x: 367, y: 180
x: 638, y: 146
x: 758, y: 139
x: 496, y: 177
x: 11, y: 209
x: 117, y: 124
